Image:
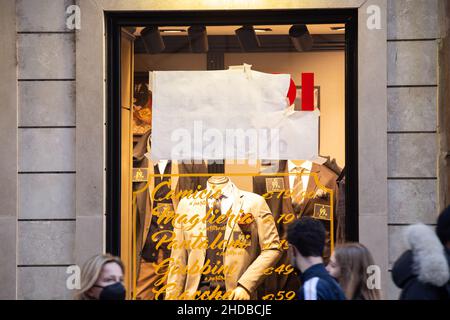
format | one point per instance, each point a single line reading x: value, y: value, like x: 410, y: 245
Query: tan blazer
x: 250, y: 263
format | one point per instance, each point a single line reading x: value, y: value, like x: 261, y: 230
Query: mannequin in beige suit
x: 248, y: 264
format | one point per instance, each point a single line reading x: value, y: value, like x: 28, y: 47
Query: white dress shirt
x: 162, y: 165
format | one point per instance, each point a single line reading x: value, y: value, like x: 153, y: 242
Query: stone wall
x: 46, y: 148
x: 8, y: 154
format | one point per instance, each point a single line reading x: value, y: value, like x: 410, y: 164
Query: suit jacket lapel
x: 174, y: 178
x: 236, y: 208
x: 202, y: 225
x: 151, y: 182
x: 287, y: 201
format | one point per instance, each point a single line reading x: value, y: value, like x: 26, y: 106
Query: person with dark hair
x: 307, y: 239
x: 423, y: 271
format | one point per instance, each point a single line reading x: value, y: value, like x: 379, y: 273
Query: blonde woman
x: 102, y: 279
x: 348, y: 265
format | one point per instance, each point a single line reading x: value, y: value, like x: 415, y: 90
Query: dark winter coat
x: 422, y: 272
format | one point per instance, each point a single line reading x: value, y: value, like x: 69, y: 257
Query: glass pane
x: 200, y: 229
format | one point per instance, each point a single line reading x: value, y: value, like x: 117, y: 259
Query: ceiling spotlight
x: 198, y: 39
x: 300, y: 37
x: 153, y: 42
x: 247, y: 38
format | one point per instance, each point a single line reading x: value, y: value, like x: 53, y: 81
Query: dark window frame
x: 115, y: 20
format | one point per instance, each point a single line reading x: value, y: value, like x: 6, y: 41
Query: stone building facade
x: 52, y: 177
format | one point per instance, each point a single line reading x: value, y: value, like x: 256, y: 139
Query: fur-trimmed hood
x: 425, y: 260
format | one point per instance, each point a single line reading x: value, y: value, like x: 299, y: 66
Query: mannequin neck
x: 217, y: 184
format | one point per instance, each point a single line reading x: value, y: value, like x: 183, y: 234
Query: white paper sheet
x: 228, y: 114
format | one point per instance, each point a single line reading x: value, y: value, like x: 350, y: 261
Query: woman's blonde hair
x: 91, y: 271
x: 353, y: 260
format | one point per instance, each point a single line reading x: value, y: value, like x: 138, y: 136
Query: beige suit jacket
x: 250, y: 263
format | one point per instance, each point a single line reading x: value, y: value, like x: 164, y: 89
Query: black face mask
x: 115, y: 291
